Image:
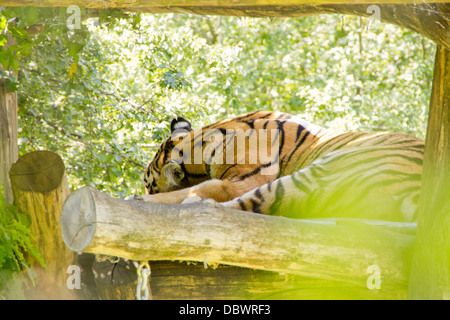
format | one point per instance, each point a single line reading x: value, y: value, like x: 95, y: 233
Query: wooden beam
x: 189, y: 280
x: 429, y: 19
x: 430, y: 276
x: 340, y: 250
x: 194, y: 3
x: 432, y: 20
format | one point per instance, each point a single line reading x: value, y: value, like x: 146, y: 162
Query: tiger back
x: 276, y: 163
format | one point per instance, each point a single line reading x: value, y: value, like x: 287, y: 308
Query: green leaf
x: 3, y: 23
x: 3, y: 39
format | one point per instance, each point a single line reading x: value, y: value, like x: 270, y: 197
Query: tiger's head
x: 166, y: 172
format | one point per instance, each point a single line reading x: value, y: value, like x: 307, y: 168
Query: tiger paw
x: 195, y: 199
x: 191, y: 200
x: 135, y: 197
x: 210, y: 201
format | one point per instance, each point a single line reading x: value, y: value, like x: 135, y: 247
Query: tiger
x: 311, y: 172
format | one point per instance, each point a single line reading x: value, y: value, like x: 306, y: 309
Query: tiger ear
x: 172, y: 172
x: 180, y: 123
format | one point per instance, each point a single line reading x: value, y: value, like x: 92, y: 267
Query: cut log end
x: 78, y: 219
x: 40, y: 171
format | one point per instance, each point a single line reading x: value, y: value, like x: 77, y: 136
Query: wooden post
x: 430, y: 273
x: 40, y: 187
x: 331, y: 250
x: 8, y: 136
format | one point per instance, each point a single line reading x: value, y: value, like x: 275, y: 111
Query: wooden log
x: 339, y: 250
x: 429, y: 19
x: 190, y: 3
x: 430, y: 276
x: 190, y: 280
x: 115, y: 281
x: 40, y: 188
x: 9, y: 151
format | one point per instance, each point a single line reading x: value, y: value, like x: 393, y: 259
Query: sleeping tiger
x: 276, y: 163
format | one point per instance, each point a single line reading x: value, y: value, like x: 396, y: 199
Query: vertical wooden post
x: 430, y: 272
x: 8, y: 136
x: 40, y: 188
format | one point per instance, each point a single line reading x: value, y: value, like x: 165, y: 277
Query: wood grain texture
x: 431, y: 19
x: 331, y: 250
x: 40, y: 188
x: 193, y: 3
x: 9, y: 151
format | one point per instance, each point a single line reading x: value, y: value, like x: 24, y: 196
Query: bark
x: 429, y: 19
x: 338, y: 250
x: 430, y: 277
x: 40, y: 188
x: 9, y: 151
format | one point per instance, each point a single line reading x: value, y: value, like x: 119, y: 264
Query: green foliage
x: 15, y: 237
x: 15, y: 244
x: 102, y: 96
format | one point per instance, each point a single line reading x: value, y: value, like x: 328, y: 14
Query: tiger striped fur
x: 315, y: 173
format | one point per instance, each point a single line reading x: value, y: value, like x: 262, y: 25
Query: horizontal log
x: 188, y: 280
x: 194, y: 3
x: 338, y: 250
x: 429, y: 19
